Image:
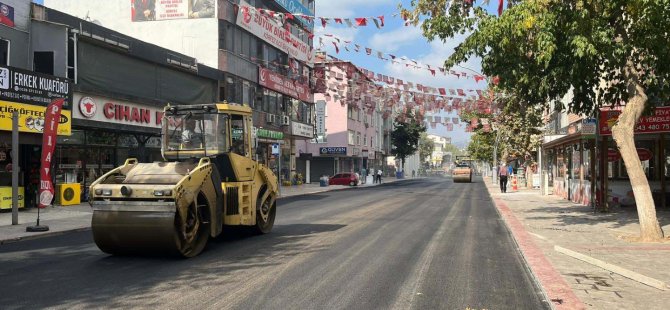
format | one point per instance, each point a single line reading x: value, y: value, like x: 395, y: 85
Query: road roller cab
x: 207, y: 180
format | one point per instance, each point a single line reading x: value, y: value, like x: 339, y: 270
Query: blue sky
x: 399, y: 40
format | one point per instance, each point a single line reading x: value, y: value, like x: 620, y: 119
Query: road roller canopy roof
x: 194, y: 131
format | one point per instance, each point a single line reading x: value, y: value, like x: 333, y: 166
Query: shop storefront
x: 106, y: 132
x: 570, y: 162
x: 265, y: 139
x: 28, y: 93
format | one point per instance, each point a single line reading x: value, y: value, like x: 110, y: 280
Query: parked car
x: 344, y: 179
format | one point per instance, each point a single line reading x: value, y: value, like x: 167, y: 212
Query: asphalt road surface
x: 416, y: 244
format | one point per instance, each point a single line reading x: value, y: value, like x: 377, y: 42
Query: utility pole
x: 15, y: 168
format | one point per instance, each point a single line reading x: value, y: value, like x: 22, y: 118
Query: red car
x: 344, y: 179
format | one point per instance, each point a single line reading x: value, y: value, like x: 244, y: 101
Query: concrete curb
x: 45, y: 234
x: 87, y: 228
x: 559, y: 294
x: 657, y: 284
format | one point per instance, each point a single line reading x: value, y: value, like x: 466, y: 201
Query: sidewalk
x: 550, y: 230
x: 62, y: 219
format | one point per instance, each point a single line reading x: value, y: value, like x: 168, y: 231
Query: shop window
x: 43, y: 62
x: 4, y: 52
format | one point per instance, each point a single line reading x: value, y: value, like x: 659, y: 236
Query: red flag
x: 368, y: 51
x: 338, y: 20
x: 337, y: 50
x: 361, y: 21
x: 382, y: 19
x: 51, y: 120
x: 500, y: 7
x: 443, y: 91
x: 323, y: 22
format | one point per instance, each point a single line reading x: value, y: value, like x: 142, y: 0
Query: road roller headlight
x: 126, y: 191
x: 164, y: 192
x: 98, y: 192
x: 105, y: 192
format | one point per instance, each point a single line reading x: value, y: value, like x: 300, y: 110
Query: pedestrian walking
x: 413, y: 174
x: 503, y: 172
x: 379, y: 176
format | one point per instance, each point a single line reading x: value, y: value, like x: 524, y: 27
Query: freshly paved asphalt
x: 418, y: 244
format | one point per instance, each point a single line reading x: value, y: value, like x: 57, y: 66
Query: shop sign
x: 295, y: 7
x: 46, y: 191
x: 657, y: 123
x: 117, y: 111
x: 302, y: 130
x: 333, y: 150
x: 644, y: 154
x: 613, y: 155
x: 282, y: 84
x: 18, y: 85
x: 269, y: 134
x: 31, y: 118
x: 6, y: 15
x: 275, y: 149
x: 589, y: 127
x: 270, y: 31
x: 6, y: 197
x: 142, y: 10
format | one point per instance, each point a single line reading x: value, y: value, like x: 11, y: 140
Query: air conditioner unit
x: 285, y: 120
x: 270, y: 118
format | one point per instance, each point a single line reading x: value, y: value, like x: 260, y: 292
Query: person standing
x: 503, y: 172
x: 379, y: 176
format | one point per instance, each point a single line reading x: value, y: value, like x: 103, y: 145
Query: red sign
x: 644, y: 155
x: 659, y: 122
x: 51, y: 117
x: 284, y: 85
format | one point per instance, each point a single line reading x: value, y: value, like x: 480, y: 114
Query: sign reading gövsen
x: 18, y: 85
x: 267, y: 29
x: 333, y: 150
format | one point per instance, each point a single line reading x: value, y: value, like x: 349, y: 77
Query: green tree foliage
x: 405, y: 136
x: 608, y: 52
x: 481, y: 146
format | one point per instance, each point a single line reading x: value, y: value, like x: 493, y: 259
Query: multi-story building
x: 438, y: 152
x: 352, y: 132
x: 267, y: 63
x: 115, y: 88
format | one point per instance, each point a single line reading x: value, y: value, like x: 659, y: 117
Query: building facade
x: 352, y: 133
x: 266, y: 63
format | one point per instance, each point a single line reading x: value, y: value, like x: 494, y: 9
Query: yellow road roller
x: 207, y: 180
x: 463, y: 171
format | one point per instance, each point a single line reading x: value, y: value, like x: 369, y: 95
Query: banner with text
x: 657, y: 123
x: 151, y: 10
x: 269, y: 30
x: 284, y: 85
x: 32, y: 118
x: 52, y: 115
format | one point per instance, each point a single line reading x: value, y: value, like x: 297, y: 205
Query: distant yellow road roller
x: 463, y: 171
x: 207, y: 180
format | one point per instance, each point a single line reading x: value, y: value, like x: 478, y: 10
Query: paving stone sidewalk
x: 63, y: 219
x: 556, y: 222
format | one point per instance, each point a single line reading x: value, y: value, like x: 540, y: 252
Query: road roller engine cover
x: 208, y: 179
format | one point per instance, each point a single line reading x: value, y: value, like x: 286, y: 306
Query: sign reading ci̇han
x: 659, y: 122
x: 284, y: 85
x: 267, y: 29
x: 18, y: 85
x: 117, y: 111
x: 333, y: 150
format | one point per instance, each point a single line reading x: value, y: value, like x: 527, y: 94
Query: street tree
x: 405, y: 136
x: 608, y: 52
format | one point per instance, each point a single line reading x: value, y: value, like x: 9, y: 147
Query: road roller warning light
x: 208, y: 179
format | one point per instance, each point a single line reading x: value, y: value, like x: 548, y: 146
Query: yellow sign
x: 6, y: 197
x: 31, y: 118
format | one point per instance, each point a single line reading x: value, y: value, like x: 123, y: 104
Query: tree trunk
x: 624, y: 135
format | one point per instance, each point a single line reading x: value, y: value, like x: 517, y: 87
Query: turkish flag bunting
x: 361, y: 21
